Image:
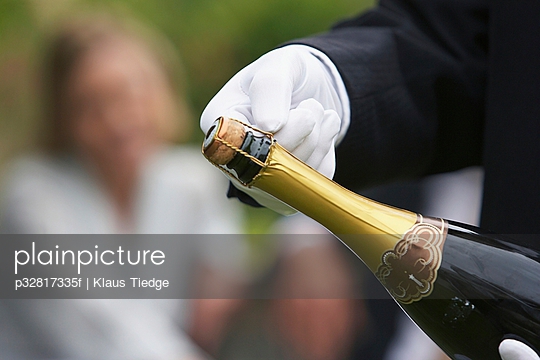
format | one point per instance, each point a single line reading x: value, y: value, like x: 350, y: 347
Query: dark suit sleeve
x: 415, y: 73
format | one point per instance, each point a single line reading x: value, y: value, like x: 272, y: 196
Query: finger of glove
x: 311, y: 111
x: 240, y: 112
x: 329, y: 130
x: 300, y: 125
x: 511, y: 349
x: 327, y: 166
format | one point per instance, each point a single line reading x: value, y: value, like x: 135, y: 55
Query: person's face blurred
x: 115, y: 97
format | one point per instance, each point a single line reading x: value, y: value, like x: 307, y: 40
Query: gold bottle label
x: 409, y: 271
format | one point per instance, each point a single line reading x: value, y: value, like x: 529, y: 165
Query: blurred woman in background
x: 108, y: 166
x: 112, y: 110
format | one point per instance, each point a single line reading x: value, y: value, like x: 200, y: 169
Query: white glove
x: 294, y: 92
x: 511, y: 349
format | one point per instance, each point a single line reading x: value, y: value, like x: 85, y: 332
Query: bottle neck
x: 349, y: 216
x: 368, y: 228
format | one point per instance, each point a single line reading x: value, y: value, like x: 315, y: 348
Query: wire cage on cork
x: 238, y: 152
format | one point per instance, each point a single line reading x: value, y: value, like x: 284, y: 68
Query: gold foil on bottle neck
x: 367, y: 227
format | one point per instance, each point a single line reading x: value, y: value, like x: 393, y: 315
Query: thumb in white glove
x: 511, y: 349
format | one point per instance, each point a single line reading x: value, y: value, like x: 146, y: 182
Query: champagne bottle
x: 466, y: 289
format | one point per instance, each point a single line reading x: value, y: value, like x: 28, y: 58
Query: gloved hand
x: 511, y: 349
x: 294, y: 92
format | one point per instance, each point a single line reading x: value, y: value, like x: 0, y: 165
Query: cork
x: 229, y: 130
